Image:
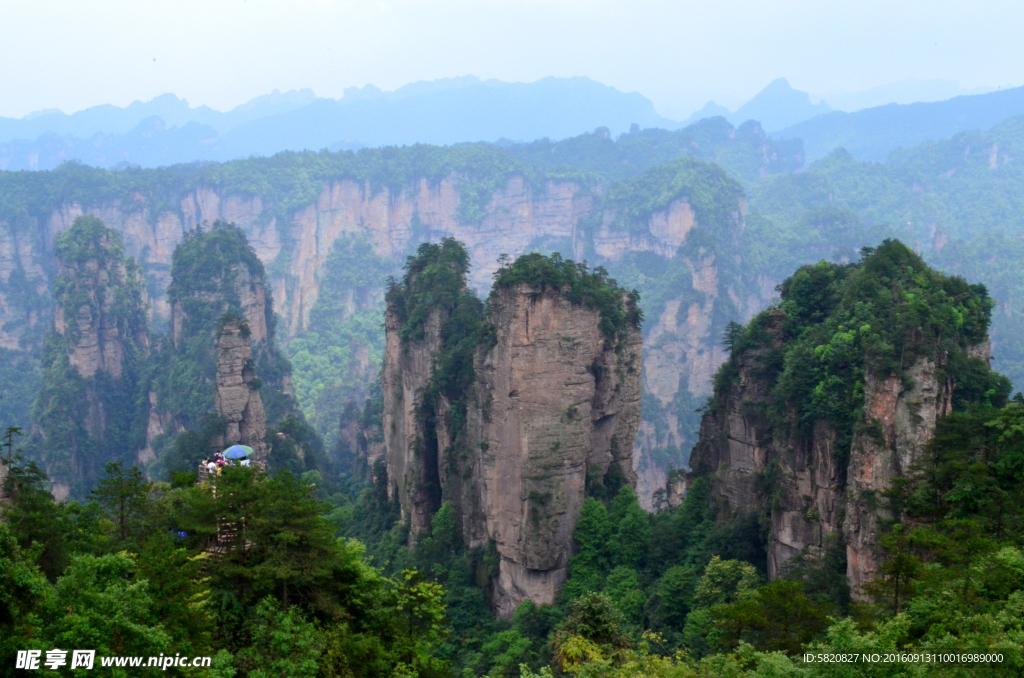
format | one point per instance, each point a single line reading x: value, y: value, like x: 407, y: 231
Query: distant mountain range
x: 171, y: 110
x: 166, y: 130
x: 873, y: 133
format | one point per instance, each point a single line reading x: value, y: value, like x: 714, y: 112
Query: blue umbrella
x: 237, y: 452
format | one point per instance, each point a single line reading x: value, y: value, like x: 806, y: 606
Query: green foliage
x: 724, y: 581
x: 283, y: 643
x: 335, y: 359
x: 121, y: 493
x: 778, y: 617
x: 433, y: 290
x: 206, y: 268
x: 879, y: 316
x: 594, y: 289
x: 101, y: 603
x: 712, y: 194
x: 959, y: 198
x: 208, y: 271
x: 24, y: 593
x: 212, y: 271
x: 20, y: 377
x: 744, y: 151
x: 592, y: 620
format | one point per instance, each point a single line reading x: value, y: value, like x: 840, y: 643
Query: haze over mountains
x: 167, y: 130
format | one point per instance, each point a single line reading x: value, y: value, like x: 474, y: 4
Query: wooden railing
x: 227, y: 530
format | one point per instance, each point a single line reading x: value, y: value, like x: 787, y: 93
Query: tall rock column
x: 507, y: 413
x: 554, y: 400
x: 85, y: 413
x: 906, y: 419
x: 833, y: 396
x: 222, y: 337
x: 237, y: 398
x: 414, y: 477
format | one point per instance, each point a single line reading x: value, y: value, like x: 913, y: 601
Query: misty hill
x: 166, y: 131
x: 172, y: 111
x: 873, y: 133
x: 776, y: 106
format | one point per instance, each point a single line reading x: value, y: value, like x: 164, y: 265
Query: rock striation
x: 102, y: 300
x: 516, y: 215
x: 222, y: 358
x: 237, y: 398
x: 553, y: 401
x: 414, y: 472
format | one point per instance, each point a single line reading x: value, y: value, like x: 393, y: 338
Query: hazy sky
x: 75, y: 54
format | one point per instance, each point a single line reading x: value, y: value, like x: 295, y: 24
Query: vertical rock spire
x: 506, y: 413
x: 85, y: 414
x: 238, y: 398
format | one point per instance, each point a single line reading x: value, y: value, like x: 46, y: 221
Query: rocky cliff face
x: 246, y: 291
x: 553, y: 400
x: 86, y: 407
x: 221, y: 337
x: 822, y: 483
x: 816, y: 497
x: 551, y: 404
x: 85, y: 314
x: 413, y: 470
x: 237, y: 398
x: 517, y: 216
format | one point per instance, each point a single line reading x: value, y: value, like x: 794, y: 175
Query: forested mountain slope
x: 959, y: 202
x: 330, y: 227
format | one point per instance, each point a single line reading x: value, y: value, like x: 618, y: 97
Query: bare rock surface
x: 413, y: 474
x: 551, y: 399
x: 237, y: 397
x: 97, y: 344
x: 683, y: 352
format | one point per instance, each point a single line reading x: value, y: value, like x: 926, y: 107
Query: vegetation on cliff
x: 434, y: 286
x: 215, y: 276
x: 673, y: 593
x: 206, y: 265
x: 878, y: 315
x: 958, y: 200
x: 709, y: 190
x: 954, y: 576
x: 84, y: 420
x: 595, y: 289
